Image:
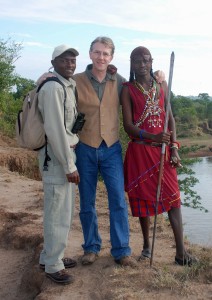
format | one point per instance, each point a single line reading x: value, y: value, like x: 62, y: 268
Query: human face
x: 141, y: 64
x: 101, y: 57
x: 65, y: 64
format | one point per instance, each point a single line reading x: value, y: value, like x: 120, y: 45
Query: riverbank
x: 205, y: 141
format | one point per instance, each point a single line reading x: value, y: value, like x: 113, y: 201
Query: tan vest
x: 102, y: 117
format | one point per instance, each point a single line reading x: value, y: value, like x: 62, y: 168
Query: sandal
x: 146, y: 253
x: 186, y: 261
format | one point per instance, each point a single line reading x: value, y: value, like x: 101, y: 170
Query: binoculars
x: 79, y: 123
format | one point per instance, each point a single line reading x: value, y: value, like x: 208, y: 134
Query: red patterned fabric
x: 141, y: 164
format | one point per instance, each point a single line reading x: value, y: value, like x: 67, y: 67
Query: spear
x: 160, y: 176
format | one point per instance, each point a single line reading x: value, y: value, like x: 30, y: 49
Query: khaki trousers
x: 59, y: 202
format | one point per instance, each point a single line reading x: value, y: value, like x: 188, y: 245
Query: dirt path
x: 21, y: 240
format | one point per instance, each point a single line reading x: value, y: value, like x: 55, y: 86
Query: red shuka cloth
x: 141, y: 165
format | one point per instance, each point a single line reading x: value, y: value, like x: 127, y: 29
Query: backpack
x: 30, y: 131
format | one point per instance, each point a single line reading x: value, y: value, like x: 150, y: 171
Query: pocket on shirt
x: 70, y: 112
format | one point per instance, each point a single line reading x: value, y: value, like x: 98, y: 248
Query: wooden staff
x: 160, y: 176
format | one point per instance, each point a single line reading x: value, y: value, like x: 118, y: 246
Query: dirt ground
x: 21, y: 241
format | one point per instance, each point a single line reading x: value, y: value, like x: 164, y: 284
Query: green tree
x: 9, y: 53
x: 23, y: 85
x: 180, y: 104
x: 201, y: 107
x: 8, y: 113
x: 204, y: 96
x: 11, y: 102
x: 209, y: 114
x: 187, y: 183
x: 188, y: 115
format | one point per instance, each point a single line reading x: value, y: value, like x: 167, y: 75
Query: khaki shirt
x: 51, y: 106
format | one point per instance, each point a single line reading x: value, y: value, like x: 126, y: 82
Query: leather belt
x: 152, y: 144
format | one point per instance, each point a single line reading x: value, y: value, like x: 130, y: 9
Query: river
x: 198, y: 224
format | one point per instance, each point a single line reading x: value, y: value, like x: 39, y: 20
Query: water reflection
x: 198, y: 224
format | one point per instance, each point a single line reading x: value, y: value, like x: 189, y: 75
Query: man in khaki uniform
x: 61, y: 177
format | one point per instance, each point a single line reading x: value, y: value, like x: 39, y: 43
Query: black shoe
x: 68, y: 263
x: 187, y: 261
x: 60, y: 277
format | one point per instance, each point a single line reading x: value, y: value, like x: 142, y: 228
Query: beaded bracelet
x: 175, y: 145
x: 141, y: 134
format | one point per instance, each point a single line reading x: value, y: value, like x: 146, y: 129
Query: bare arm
x: 127, y: 112
x: 175, y: 158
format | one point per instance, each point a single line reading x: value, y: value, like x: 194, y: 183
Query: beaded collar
x: 152, y: 108
x: 150, y: 93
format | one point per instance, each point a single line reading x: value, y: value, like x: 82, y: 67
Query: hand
x: 160, y: 76
x: 111, y: 69
x: 73, y: 177
x: 175, y: 159
x: 43, y: 77
x: 163, y: 137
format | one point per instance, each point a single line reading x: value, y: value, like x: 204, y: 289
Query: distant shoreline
x: 201, y: 141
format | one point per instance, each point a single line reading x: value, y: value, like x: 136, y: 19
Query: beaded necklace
x: 142, y: 89
x: 151, y: 108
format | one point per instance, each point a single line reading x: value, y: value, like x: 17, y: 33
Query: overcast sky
x: 163, y: 26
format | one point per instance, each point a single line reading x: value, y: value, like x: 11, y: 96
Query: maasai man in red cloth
x: 144, y: 100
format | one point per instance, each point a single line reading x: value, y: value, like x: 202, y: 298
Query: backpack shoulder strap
x: 47, y: 158
x: 76, y: 94
x: 60, y: 82
x: 51, y: 79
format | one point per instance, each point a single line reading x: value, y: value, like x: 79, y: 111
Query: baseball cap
x: 61, y: 49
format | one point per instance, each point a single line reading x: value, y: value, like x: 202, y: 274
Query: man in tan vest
x: 99, y: 150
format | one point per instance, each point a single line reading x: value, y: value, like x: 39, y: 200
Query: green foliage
x: 188, y: 181
x: 9, y: 53
x: 209, y: 113
x: 184, y: 150
x: 11, y: 102
x: 123, y: 136
x: 23, y: 86
x: 192, y: 116
x: 204, y: 96
x: 9, y: 109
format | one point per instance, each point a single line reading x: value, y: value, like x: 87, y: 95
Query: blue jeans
x: 107, y: 161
